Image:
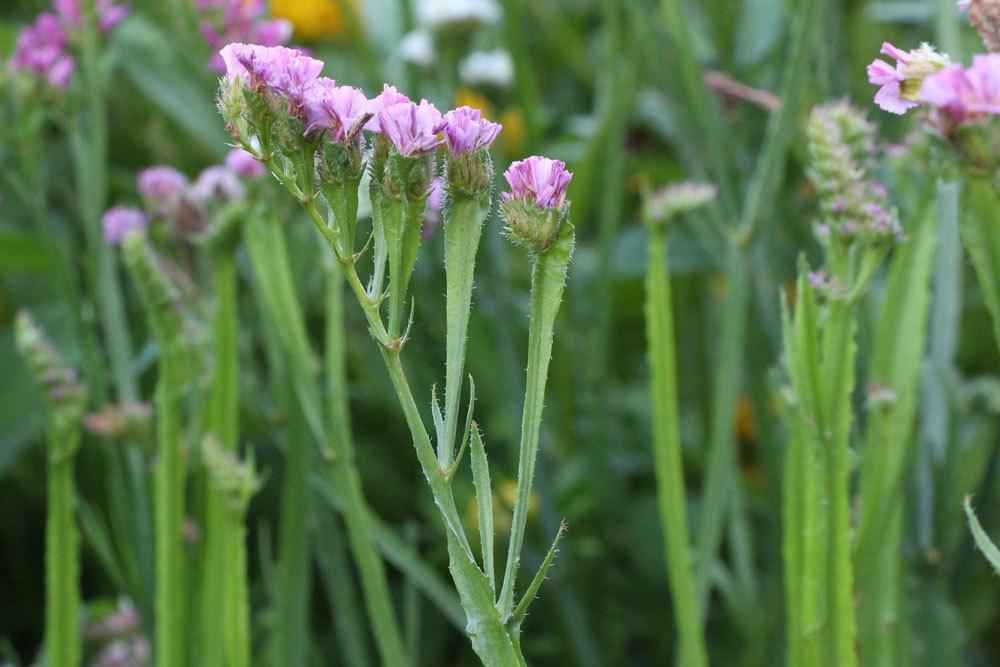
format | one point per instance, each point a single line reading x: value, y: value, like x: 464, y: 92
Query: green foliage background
x: 608, y: 97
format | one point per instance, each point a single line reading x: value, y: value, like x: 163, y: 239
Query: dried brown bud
x: 984, y: 15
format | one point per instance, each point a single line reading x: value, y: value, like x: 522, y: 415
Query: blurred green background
x: 600, y: 86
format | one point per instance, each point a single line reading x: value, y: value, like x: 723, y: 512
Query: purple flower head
x: 161, y: 184
x: 388, y: 97
x: 899, y: 86
x: 413, y: 128
x: 467, y: 130
x: 963, y: 94
x: 41, y: 49
x: 243, y: 163
x: 342, y: 110
x: 119, y: 221
x: 109, y: 14
x: 278, y: 69
x: 217, y: 182
x: 538, y: 179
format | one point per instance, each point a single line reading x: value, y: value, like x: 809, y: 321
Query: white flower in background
x: 416, y: 47
x: 489, y: 68
x: 437, y: 14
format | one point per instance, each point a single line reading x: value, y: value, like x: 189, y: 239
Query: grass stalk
x: 667, y: 452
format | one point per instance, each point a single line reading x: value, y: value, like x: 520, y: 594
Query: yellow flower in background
x: 504, y: 494
x: 514, y: 131
x: 312, y: 19
x: 467, y: 97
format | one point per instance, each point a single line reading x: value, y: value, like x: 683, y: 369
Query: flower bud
x: 677, y: 198
x: 64, y: 394
x: 408, y: 177
x: 984, y: 15
x: 842, y: 155
x: 236, y: 480
x: 536, y: 207
x: 158, y: 293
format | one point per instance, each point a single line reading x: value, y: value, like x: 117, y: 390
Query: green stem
x: 62, y: 563
x: 236, y: 593
x: 346, y: 478
x: 220, y: 624
x: 171, y: 616
x: 548, y: 278
x: 90, y: 156
x: 667, y: 451
x: 463, y: 227
x: 292, y: 631
x: 720, y: 476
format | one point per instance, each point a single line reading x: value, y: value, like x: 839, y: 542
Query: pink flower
x: 41, y: 49
x: 900, y: 85
x: 538, y: 179
x: 963, y: 5
x: 108, y: 13
x: 342, y: 110
x: 119, y: 221
x: 467, y: 130
x: 276, y: 68
x: 161, y: 184
x: 243, y: 163
x: 413, y: 128
x: 386, y: 98
x: 964, y: 94
x: 217, y: 182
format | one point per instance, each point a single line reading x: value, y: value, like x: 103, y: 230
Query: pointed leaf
x: 484, y: 503
x: 529, y: 595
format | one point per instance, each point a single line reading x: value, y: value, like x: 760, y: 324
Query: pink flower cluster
x: 42, y: 48
x: 538, y: 180
x: 957, y: 94
x: 415, y: 129
x: 226, y: 21
x: 167, y: 193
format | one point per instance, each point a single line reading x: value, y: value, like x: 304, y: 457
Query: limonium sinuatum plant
x: 318, y: 138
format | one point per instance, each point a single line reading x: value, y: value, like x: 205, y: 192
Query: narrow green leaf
x: 517, y: 617
x: 484, y: 503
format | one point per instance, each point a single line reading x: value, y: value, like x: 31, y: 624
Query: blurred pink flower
x: 117, y: 222
x: 225, y: 21
x: 243, y: 163
x: 41, y: 49
x: 161, y: 183
x: 962, y: 94
x: 109, y: 14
